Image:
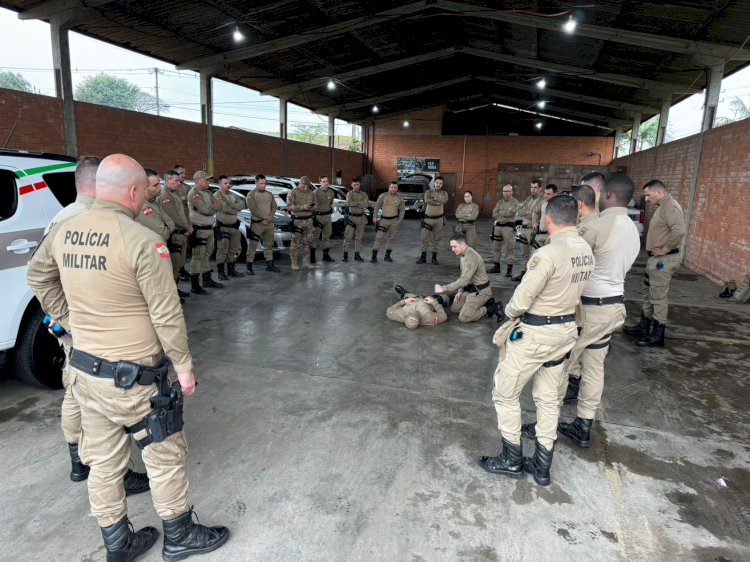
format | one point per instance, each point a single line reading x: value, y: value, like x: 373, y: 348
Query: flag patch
x: 161, y: 247
x: 148, y: 211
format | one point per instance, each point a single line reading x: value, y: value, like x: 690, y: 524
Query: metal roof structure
x: 624, y: 57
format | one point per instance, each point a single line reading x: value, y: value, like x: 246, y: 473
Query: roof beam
x: 359, y: 73
x: 647, y: 40
x: 50, y: 8
x: 562, y: 113
x: 298, y: 39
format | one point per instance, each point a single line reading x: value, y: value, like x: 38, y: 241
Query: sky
x: 233, y: 105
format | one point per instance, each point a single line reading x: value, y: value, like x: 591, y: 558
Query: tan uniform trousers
x: 178, y: 256
x: 525, y: 248
x: 263, y: 233
x: 323, y: 225
x: 391, y: 227
x: 302, y: 233
x: 508, y: 242
x: 588, y: 354
x: 229, y: 247
x: 70, y: 412
x: 105, y: 447
x: 656, y: 286
x: 525, y: 358
x: 469, y: 231
x: 433, y: 233
x: 357, y: 232
x: 201, y: 252
x: 470, y: 307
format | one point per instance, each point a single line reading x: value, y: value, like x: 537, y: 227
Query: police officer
x: 228, y: 246
x: 203, y: 207
x: 103, y: 262
x: 615, y: 243
x: 394, y: 209
x: 473, y: 295
x: 545, y: 302
x: 665, y: 233
x: 183, y: 191
x: 433, y: 221
x: 414, y: 311
x: 152, y: 216
x: 301, y: 202
x: 525, y: 213
x: 262, y: 205
x: 322, y: 221
x: 171, y: 203
x: 550, y: 190
x: 356, y: 203
x: 503, y: 232
x: 466, y: 214
x: 595, y: 180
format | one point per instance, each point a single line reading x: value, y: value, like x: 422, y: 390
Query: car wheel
x: 38, y: 357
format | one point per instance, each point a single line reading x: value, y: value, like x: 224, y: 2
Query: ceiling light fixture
x: 541, y: 84
x: 570, y: 25
x: 538, y: 125
x: 541, y: 104
x: 331, y: 85
x: 238, y: 35
x: 406, y: 123
x: 375, y: 109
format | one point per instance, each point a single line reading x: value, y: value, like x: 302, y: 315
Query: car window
x: 8, y: 194
x: 63, y: 186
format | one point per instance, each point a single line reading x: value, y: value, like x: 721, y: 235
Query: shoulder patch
x: 165, y: 200
x: 197, y: 196
x: 162, y: 249
x: 534, y: 262
x: 148, y: 211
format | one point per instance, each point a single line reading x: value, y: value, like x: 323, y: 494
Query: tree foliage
x: 104, y: 89
x: 14, y: 81
x: 646, y: 136
x: 308, y: 132
x: 740, y: 110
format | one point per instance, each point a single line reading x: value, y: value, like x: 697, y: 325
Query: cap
x: 306, y: 181
x: 411, y: 322
x: 202, y: 175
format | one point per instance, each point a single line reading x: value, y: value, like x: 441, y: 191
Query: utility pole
x: 158, y: 104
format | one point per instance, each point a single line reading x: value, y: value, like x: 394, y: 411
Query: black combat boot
x: 538, y: 466
x: 209, y: 282
x: 434, y: 259
x: 232, y: 272
x: 494, y: 308
x: 182, y: 294
x: 509, y: 462
x: 422, y: 258
x: 327, y: 256
x: 312, y: 255
x: 509, y: 271
x: 135, y: 483
x: 496, y: 269
x: 249, y: 266
x: 222, y: 274
x: 519, y: 276
x: 78, y: 471
x: 123, y: 544
x: 346, y: 257
x: 641, y: 329
x: 571, y: 393
x: 374, y: 258
x: 183, y: 538
x: 271, y: 267
x: 656, y: 339
x: 184, y: 275
x: 528, y: 430
x: 400, y: 290
x: 357, y: 257
x: 579, y: 431
x: 196, y: 286
x: 387, y: 256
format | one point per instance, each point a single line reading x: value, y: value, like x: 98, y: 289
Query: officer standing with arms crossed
x: 183, y: 191
x: 545, y: 302
x: 228, y: 246
x: 394, y: 209
x: 203, y: 207
x: 466, y: 214
x: 356, y: 202
x: 171, y: 202
x: 433, y: 221
x: 262, y: 206
x: 525, y: 213
x: 503, y: 232
x: 324, y: 197
x: 301, y: 202
x: 665, y: 233
x: 550, y: 190
x: 152, y: 216
x: 102, y: 262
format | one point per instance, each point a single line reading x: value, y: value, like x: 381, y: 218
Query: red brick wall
x: 718, y: 245
x: 160, y: 142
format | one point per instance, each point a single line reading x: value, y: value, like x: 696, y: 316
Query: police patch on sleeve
x: 534, y: 262
x: 148, y: 211
x: 162, y: 249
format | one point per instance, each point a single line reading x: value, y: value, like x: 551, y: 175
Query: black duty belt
x: 233, y: 225
x: 669, y: 253
x: 619, y: 299
x: 508, y: 224
x: 98, y: 367
x: 199, y: 227
x: 356, y: 214
x: 542, y: 232
x: 323, y: 213
x: 466, y: 221
x: 300, y: 218
x: 179, y: 231
x: 256, y: 221
x: 476, y: 288
x: 537, y: 320
x: 389, y: 218
x: 556, y: 362
x: 435, y: 217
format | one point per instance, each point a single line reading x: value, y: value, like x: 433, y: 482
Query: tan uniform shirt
x: 428, y: 315
x: 537, y: 217
x: 505, y: 211
x: 203, y: 206
x: 231, y: 204
x: 357, y: 201
x: 667, y: 227
x: 324, y: 199
x: 467, y: 212
x: 114, y: 277
x: 392, y: 205
x: 154, y: 218
x: 262, y: 204
x: 555, y: 277
x: 583, y: 224
x: 75, y: 208
x: 434, y: 200
x: 296, y: 201
x: 472, y: 271
x: 526, y: 211
x: 184, y: 192
x: 171, y: 203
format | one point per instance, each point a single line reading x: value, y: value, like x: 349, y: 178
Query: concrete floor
x: 323, y: 431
